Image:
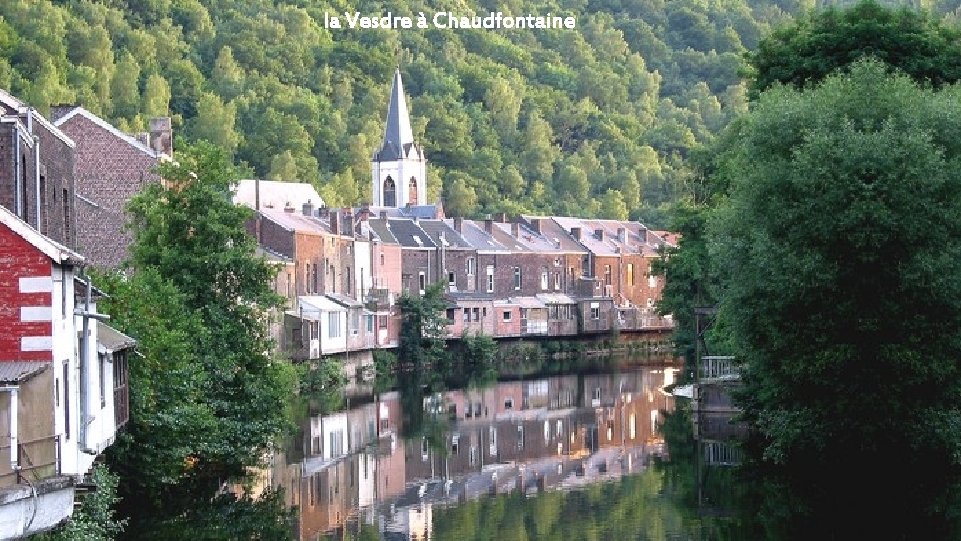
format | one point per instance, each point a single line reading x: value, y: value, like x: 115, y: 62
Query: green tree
x: 840, y: 258
x: 94, y: 519
x: 821, y: 42
x: 189, y: 233
x: 156, y: 96
x: 423, y: 330
x: 124, y: 87
x: 215, y: 123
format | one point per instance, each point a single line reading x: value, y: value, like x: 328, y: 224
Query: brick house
x: 57, y: 401
x: 37, y: 185
x: 110, y: 168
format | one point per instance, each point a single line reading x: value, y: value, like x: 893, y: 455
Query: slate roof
x: 295, y: 221
x: 409, y: 234
x: 380, y: 229
x: 112, y: 339
x: 15, y: 372
x: 398, y: 136
x: 476, y: 237
x: 443, y: 235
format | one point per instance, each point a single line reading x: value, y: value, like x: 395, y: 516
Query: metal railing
x: 37, y: 459
x: 718, y: 367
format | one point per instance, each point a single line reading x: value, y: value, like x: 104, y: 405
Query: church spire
x: 398, y: 137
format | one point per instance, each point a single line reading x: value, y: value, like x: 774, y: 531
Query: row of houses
x: 64, y: 182
x: 343, y: 270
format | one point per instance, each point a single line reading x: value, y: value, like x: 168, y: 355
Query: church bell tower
x: 399, y: 167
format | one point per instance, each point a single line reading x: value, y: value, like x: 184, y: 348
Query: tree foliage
x: 821, y: 42
x: 840, y: 257
x: 207, y: 401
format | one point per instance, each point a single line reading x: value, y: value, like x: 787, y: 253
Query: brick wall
x: 109, y: 172
x: 19, y: 259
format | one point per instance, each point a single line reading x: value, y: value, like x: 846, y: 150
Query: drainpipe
x: 14, y: 416
x: 36, y: 167
x: 17, y: 171
x: 87, y: 315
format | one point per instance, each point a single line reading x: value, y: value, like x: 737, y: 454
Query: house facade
x: 62, y: 396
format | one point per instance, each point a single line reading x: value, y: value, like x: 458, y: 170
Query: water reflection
x: 364, y: 470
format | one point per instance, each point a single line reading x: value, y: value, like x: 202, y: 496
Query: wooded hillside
x: 592, y: 121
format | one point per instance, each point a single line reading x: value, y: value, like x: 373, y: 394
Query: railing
x: 720, y: 453
x: 38, y: 459
x: 533, y: 326
x: 716, y: 367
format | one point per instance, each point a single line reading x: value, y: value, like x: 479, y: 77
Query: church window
x: 390, y: 193
x: 412, y: 189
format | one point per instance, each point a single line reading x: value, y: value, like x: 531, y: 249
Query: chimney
x: 516, y: 230
x: 143, y: 138
x: 308, y: 208
x: 489, y: 226
x: 599, y: 234
x: 501, y: 217
x: 162, y: 135
x: 347, y: 227
x: 622, y: 234
x: 363, y: 214
x: 383, y: 215
x: 536, y: 223
x: 288, y: 207
x: 335, y: 222
x: 459, y: 225
x: 576, y: 233
x: 323, y: 212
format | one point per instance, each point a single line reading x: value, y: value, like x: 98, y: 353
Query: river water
x: 571, y: 456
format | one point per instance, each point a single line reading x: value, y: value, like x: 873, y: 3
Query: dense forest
x: 597, y: 120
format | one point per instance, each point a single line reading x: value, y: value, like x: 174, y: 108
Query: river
x: 570, y: 456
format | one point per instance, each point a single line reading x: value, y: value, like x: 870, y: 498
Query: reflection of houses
x: 526, y: 435
x: 62, y: 395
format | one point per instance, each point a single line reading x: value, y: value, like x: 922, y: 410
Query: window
x: 370, y: 324
x: 314, y: 287
x: 544, y: 279
x: 383, y: 322
x: 412, y: 191
x: 102, y: 365
x: 630, y: 274
x: 607, y: 274
x: 595, y: 312
x: 557, y: 262
x: 450, y: 279
x: 509, y: 403
x: 490, y: 278
x: 507, y: 315
x: 307, y: 278
x: 517, y: 278
x: 422, y: 281
x: 348, y: 281
x: 557, y: 281
x: 450, y: 316
x: 520, y: 437
x: 476, y: 314
x: 466, y: 315
x: 470, y: 266
x: 390, y: 193
x: 333, y: 324
x: 381, y: 259
x: 66, y: 399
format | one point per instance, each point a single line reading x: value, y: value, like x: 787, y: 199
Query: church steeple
x: 398, y: 137
x: 399, y: 167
